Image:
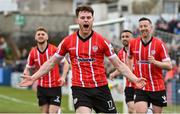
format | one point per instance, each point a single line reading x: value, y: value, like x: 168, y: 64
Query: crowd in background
x: 172, y: 26
x: 5, y: 53
x: 168, y: 31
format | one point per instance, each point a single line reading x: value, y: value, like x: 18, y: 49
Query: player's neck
x: 126, y: 48
x: 146, y: 39
x: 84, y: 35
x: 42, y: 46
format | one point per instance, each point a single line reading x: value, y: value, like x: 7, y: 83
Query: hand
x: 62, y: 81
x: 151, y: 59
x: 140, y: 83
x: 26, y: 81
x: 112, y: 76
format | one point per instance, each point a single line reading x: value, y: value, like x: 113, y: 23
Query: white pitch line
x: 17, y: 100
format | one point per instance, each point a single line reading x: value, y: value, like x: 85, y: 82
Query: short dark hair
x: 125, y: 31
x: 41, y: 28
x: 145, y: 19
x: 84, y: 8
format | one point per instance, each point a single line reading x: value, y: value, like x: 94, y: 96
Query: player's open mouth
x: 85, y: 26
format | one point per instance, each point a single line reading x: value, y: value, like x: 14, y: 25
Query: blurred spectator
x: 178, y: 72
x: 20, y: 64
x: 172, y: 25
x: 161, y: 24
x: 24, y: 54
x: 177, y: 29
x: 3, y: 46
x: 171, y: 73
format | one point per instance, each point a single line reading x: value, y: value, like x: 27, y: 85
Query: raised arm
x: 116, y: 72
x: 44, y: 69
x: 121, y: 67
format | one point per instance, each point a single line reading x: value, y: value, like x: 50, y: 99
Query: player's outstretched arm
x: 114, y: 74
x: 124, y: 69
x: 44, y: 69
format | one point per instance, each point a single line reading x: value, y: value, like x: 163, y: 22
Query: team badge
x: 153, y: 52
x: 95, y: 48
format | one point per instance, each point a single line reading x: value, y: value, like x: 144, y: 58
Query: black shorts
x: 129, y: 94
x: 98, y: 98
x: 49, y: 95
x: 157, y: 98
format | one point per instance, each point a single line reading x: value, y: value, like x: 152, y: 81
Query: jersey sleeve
x: 163, y: 53
x: 108, y: 48
x: 62, y: 50
x: 30, y: 60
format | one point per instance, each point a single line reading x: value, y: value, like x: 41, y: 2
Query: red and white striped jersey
x: 87, y: 58
x: 36, y: 59
x: 140, y: 52
x: 122, y: 54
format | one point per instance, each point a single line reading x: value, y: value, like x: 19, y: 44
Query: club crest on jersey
x: 95, y: 48
x: 153, y: 52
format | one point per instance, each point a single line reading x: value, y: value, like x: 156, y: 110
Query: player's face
x: 85, y: 21
x: 41, y: 37
x: 125, y: 38
x: 145, y: 28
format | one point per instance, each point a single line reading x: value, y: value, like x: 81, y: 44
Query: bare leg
x: 53, y: 109
x: 44, y: 109
x: 157, y: 109
x: 83, y: 110
x: 131, y: 107
x: 141, y: 107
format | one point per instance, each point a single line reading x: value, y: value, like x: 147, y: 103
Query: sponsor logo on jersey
x: 86, y: 59
x: 35, y: 59
x: 135, y: 51
x: 143, y: 62
x: 73, y: 48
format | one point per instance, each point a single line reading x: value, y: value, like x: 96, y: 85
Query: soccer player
x: 125, y: 37
x: 49, y: 88
x: 150, y: 56
x: 86, y: 49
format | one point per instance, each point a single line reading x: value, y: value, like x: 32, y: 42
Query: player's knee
x: 131, y: 109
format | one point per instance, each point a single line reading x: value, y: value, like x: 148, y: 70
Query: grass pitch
x: 24, y: 101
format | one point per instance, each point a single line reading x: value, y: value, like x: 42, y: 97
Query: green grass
x: 24, y: 101
x: 172, y: 109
